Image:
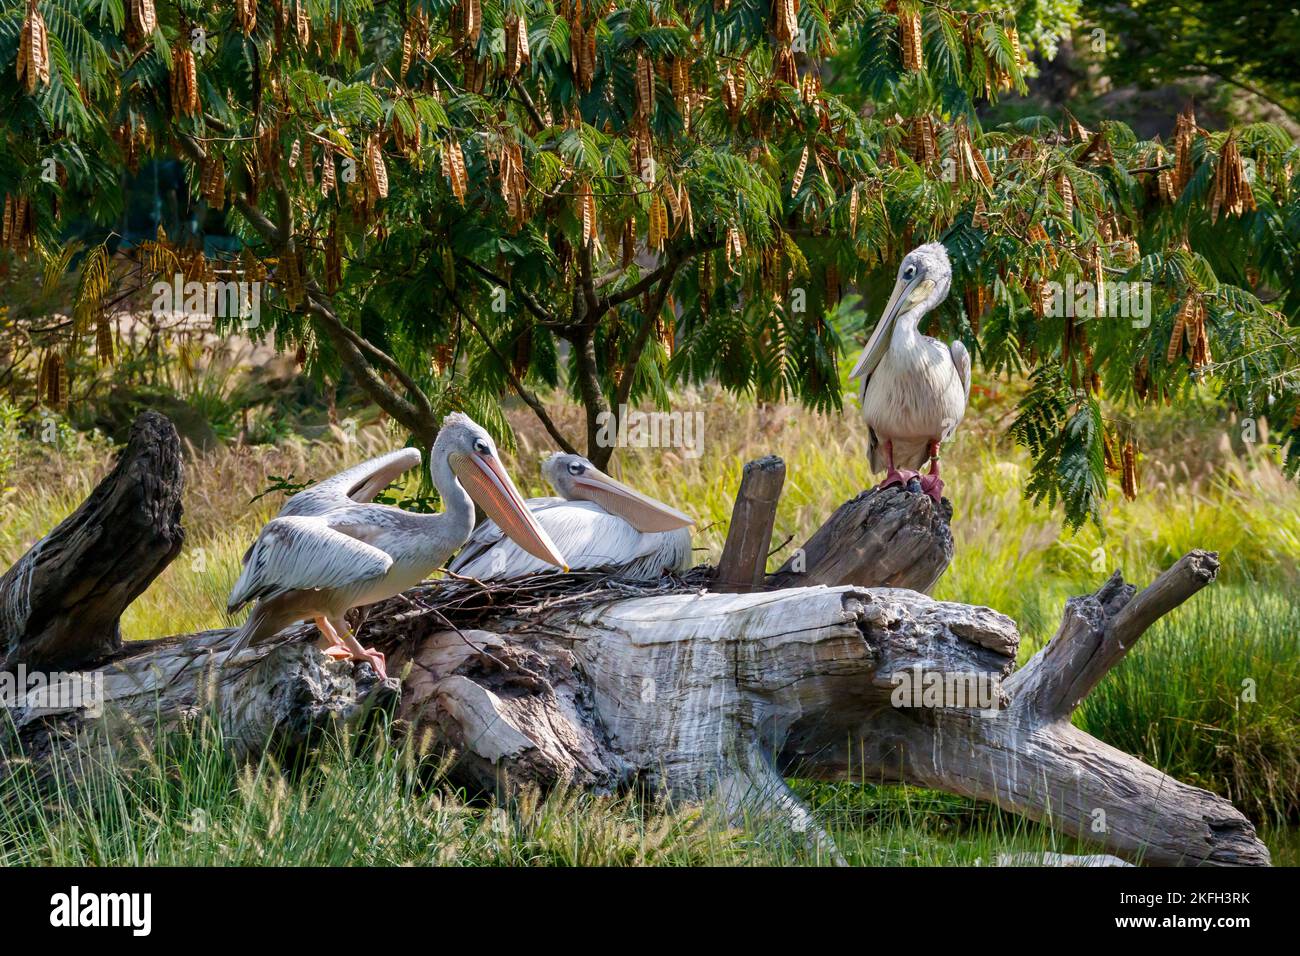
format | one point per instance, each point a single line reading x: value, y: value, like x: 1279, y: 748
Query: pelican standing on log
x: 598, y: 523
x: 914, y: 388
x: 331, y: 549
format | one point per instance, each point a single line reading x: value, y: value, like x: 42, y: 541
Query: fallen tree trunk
x: 713, y: 697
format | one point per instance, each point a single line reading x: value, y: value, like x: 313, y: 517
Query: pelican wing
x: 961, y: 359
x: 589, y: 537
x: 358, y: 484
x: 303, y: 553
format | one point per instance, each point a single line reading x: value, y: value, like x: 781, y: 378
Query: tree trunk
x: 60, y: 603
x: 715, y: 697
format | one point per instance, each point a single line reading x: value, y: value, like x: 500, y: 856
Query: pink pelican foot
x: 932, y: 484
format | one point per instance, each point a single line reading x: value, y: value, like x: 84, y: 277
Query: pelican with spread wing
x: 597, y: 522
x: 914, y: 388
x: 331, y: 548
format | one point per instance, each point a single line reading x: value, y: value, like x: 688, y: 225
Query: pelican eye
x: 482, y: 447
x: 909, y: 272
x: 576, y: 467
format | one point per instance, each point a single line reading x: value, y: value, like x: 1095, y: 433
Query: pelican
x: 914, y: 388
x: 596, y: 521
x: 331, y: 548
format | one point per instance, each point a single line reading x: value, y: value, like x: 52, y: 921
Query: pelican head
x: 577, y: 479
x: 924, y: 277
x: 472, y: 455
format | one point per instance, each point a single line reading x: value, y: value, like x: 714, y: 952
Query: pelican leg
x: 330, y: 644
x: 349, y: 648
x: 893, y: 476
x: 931, y: 483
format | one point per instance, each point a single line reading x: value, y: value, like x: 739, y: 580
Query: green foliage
x: 499, y: 227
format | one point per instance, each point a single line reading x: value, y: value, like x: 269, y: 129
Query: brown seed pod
x: 785, y: 14
x: 246, y: 15
x: 1230, y: 192
x: 587, y: 212
x: 517, y: 53
x: 328, y: 173
x: 798, y: 173
x: 645, y: 87
x: 212, y: 180
x: 658, y: 231
x: 909, y: 39
x: 143, y: 16
x: 104, y: 339
x: 453, y: 167
x: 1185, y: 311
x: 33, y: 50
x: 184, y: 81
x: 376, y: 171
x: 1129, y: 483
x: 1184, y: 131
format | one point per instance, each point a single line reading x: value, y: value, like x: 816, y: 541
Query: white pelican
x: 331, y: 549
x: 596, y: 521
x: 914, y: 388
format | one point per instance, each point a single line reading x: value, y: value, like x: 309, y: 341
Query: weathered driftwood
x: 60, y: 603
x: 887, y: 537
x: 749, y: 536
x: 712, y: 696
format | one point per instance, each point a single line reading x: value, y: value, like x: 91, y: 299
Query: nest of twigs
x: 461, y: 603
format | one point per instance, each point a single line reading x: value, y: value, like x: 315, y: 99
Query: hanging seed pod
x: 453, y: 167
x: 336, y: 38
x: 144, y: 17
x: 658, y: 224
x: 376, y: 171
x: 33, y: 50
x: 674, y: 201
x: 587, y: 212
x: 1175, y: 348
x: 301, y: 23
x: 54, y: 381
x: 184, y: 81
x: 212, y: 181
x: 785, y: 13
x: 1108, y: 452
x: 291, y: 279
x: 472, y: 13
x: 681, y: 83
x: 246, y: 15
x: 909, y: 39
x: 1230, y: 192
x: 1066, y: 189
x: 1184, y: 131
x: 1294, y: 424
x: 645, y: 87
x: 328, y: 173
x: 517, y: 54
x: 627, y: 243
x: 104, y: 339
x: 408, y: 50
x: 1129, y: 481
x: 295, y: 153
x: 798, y: 173
x: 665, y: 330
x: 1016, y: 49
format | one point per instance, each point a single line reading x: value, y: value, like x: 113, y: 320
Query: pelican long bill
x: 640, y: 511
x: 490, y: 486
x: 903, y: 297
